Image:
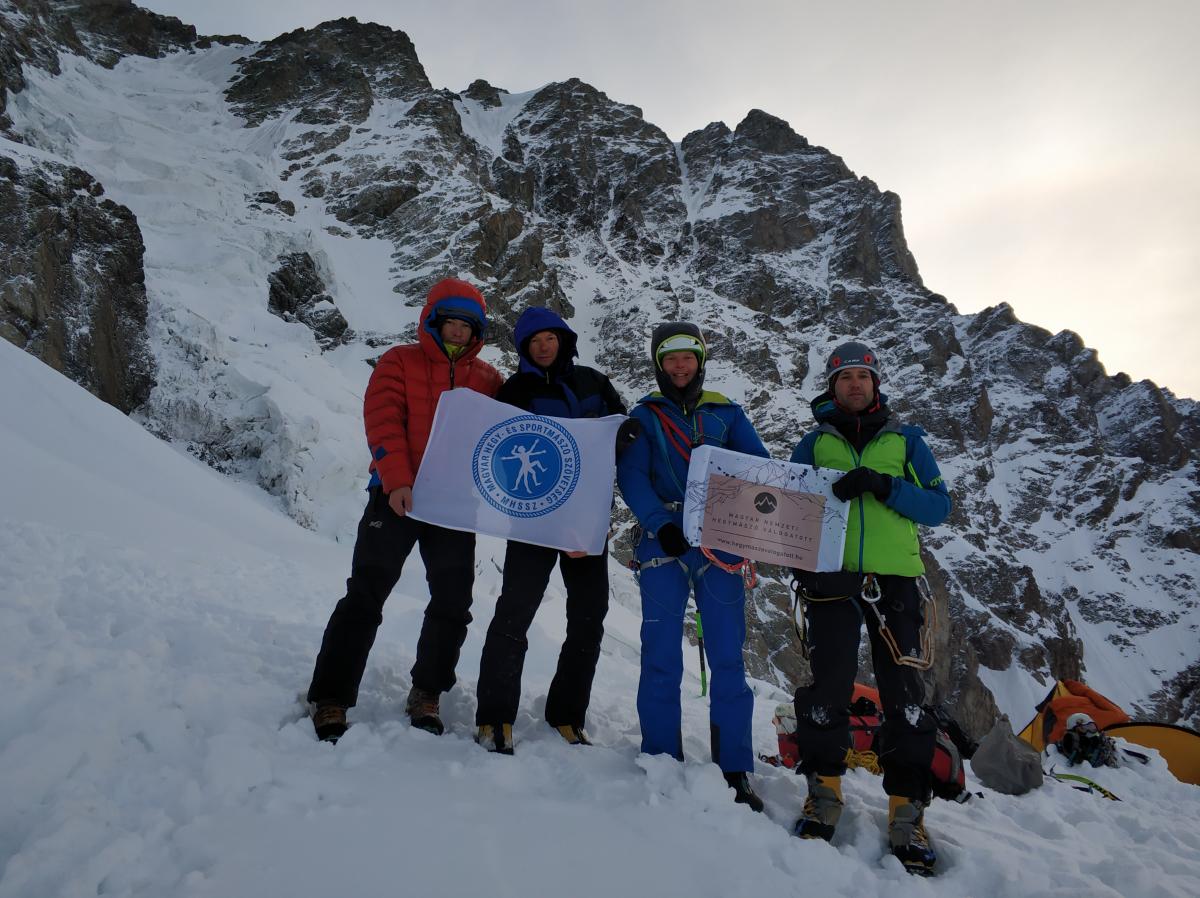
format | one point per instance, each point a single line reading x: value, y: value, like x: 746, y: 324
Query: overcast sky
x: 1047, y: 153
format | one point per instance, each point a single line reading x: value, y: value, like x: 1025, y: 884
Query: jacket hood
x: 534, y: 320
x: 690, y: 394
x: 452, y: 298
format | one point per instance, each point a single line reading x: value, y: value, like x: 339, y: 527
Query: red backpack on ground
x: 949, y: 777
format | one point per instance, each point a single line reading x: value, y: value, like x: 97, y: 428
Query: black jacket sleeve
x: 612, y: 399
x: 513, y: 392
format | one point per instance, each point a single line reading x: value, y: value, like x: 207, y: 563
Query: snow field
x: 156, y: 743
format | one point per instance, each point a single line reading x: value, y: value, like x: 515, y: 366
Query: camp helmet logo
x: 526, y: 466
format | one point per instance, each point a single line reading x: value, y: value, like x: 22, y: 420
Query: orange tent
x: 1065, y: 698
x: 1179, y: 746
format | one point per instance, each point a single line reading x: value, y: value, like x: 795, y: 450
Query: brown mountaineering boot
x: 329, y: 721
x: 822, y: 808
x: 424, y: 710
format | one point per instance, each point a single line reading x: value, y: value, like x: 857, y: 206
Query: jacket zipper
x: 862, y: 514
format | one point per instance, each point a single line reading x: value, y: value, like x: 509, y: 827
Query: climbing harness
x: 871, y: 593
x: 683, y: 444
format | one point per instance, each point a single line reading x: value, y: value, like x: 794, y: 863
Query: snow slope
x: 158, y: 622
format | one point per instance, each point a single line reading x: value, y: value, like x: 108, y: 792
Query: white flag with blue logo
x: 495, y: 469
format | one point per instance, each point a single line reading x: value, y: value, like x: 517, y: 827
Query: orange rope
x: 745, y: 567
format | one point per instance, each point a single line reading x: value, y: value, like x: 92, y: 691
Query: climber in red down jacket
x: 398, y: 409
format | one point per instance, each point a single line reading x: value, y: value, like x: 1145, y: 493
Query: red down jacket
x: 403, y: 391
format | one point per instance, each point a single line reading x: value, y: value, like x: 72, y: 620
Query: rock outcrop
x: 72, y: 285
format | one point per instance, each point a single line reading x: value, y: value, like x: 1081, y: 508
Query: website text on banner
x: 494, y: 469
x: 765, y: 510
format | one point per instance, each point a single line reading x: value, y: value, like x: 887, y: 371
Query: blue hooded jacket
x: 565, y: 389
x: 651, y: 472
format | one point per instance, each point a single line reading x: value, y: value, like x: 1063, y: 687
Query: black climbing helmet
x: 851, y: 355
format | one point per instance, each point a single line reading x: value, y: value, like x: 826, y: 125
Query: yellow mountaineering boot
x: 496, y: 738
x: 822, y: 808
x: 907, y: 836
x: 573, y: 735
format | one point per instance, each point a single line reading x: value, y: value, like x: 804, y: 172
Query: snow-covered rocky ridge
x: 296, y: 198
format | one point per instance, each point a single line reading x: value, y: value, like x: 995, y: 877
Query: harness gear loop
x: 745, y: 567
x: 871, y: 593
x: 638, y: 566
x: 924, y: 660
x: 799, y: 622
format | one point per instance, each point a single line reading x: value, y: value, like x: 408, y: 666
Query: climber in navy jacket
x: 548, y: 382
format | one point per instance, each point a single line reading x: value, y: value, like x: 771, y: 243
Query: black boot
x: 743, y: 792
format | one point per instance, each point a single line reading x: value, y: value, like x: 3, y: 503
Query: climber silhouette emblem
x: 526, y: 466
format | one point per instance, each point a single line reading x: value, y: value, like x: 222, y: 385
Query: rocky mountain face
x: 1072, y: 550
x: 72, y: 284
x: 72, y: 288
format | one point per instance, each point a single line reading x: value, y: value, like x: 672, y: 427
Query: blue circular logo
x: 527, y: 466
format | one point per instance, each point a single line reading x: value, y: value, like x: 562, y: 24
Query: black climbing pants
x: 908, y: 733
x: 527, y: 570
x: 384, y: 543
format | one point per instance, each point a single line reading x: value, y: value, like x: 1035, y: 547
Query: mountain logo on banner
x: 766, y: 503
x: 527, y: 466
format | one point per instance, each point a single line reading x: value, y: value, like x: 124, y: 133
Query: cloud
x: 1107, y: 251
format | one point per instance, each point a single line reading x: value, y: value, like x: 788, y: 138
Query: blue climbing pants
x: 720, y: 597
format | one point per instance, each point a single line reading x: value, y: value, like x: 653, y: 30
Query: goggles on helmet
x: 679, y: 343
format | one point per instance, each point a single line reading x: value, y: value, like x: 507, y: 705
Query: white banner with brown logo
x: 767, y: 510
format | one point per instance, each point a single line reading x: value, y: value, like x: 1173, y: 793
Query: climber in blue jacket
x: 652, y: 475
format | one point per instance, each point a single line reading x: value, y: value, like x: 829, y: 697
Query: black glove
x: 629, y: 431
x: 671, y: 538
x: 863, y: 480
